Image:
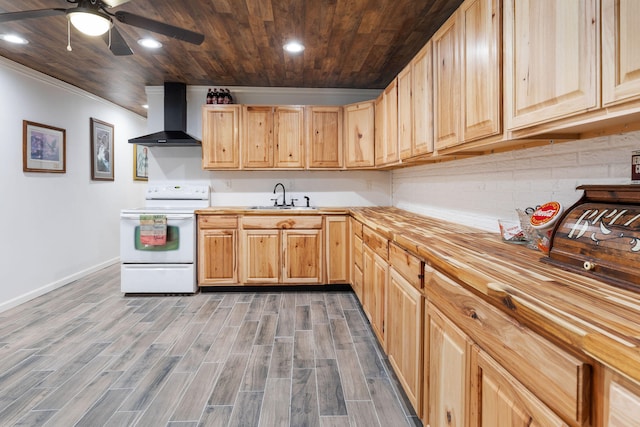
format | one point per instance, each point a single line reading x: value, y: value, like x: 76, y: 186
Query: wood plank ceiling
x: 349, y: 44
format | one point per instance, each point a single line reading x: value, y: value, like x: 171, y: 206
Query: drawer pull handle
x: 589, y: 266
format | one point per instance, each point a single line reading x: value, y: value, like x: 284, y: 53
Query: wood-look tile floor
x: 86, y: 355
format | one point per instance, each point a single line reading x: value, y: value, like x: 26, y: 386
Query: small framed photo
x: 101, y: 151
x: 140, y: 163
x: 43, y: 148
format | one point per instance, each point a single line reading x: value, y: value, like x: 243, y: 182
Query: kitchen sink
x: 291, y: 208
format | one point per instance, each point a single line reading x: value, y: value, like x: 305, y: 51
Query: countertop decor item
x: 600, y: 235
x: 43, y: 148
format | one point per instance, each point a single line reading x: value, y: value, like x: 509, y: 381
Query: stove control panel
x: 177, y: 192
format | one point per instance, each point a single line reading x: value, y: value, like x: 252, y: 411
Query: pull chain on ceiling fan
x: 92, y: 18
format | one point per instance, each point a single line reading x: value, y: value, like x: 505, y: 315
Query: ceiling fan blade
x: 115, y: 3
x: 119, y: 46
x: 159, y: 27
x: 38, y: 13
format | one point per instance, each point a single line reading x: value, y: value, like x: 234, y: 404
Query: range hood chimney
x: 175, y: 121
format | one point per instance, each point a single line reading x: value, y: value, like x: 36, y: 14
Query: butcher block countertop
x: 586, y: 315
x: 582, y: 314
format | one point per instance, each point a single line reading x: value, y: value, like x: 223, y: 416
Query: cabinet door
x: 621, y: 401
x: 289, y: 137
x: 302, y: 252
x: 422, y: 95
x: 620, y: 53
x: 221, y: 137
x: 448, y: 375
x: 359, y: 135
x: 258, y: 137
x: 498, y: 399
x: 337, y: 250
x: 325, y: 137
x: 481, y: 24
x: 357, y: 265
x: 551, y: 59
x: 367, y: 281
x: 217, y: 257
x: 446, y: 84
x: 261, y: 260
x: 380, y: 130
x: 375, y: 282
x: 404, y: 335
x: 386, y: 138
x: 405, y: 112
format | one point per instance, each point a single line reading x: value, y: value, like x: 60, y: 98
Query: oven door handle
x: 170, y: 217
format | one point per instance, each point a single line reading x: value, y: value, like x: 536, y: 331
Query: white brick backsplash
x: 477, y: 191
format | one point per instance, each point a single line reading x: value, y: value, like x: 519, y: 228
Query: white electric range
x: 167, y: 265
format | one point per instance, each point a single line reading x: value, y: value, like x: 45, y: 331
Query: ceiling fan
x: 91, y: 17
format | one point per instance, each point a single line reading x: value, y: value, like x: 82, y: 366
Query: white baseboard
x: 6, y: 305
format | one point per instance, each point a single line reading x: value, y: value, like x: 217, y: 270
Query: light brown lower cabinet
x: 404, y: 335
x: 357, y: 263
x: 375, y: 283
x: 446, y: 371
x: 281, y: 249
x: 261, y: 256
x: 517, y: 377
x: 498, y: 399
x: 217, y: 250
x: 337, y: 249
x: 621, y: 401
x: 302, y: 256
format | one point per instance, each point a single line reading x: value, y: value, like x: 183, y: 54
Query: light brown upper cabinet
x: 467, y: 78
x: 221, y: 136
x: 446, y: 83
x: 551, y: 60
x: 273, y: 137
x: 386, y: 126
x: 325, y: 137
x: 620, y: 53
x: 359, y: 135
x: 415, y: 105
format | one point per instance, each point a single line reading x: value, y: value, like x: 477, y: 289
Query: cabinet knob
x: 589, y: 266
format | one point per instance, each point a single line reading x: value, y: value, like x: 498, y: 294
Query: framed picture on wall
x: 43, y: 148
x: 101, y: 150
x: 140, y: 163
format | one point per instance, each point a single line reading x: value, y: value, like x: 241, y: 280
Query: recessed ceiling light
x: 150, y: 43
x: 293, y: 47
x: 145, y: 106
x: 12, y: 38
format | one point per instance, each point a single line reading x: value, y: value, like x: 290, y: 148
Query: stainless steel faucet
x: 284, y: 195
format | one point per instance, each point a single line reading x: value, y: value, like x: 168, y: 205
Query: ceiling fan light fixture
x: 88, y: 21
x: 293, y: 47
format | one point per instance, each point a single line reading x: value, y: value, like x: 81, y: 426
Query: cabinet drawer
x: 217, y: 221
x: 376, y: 242
x: 407, y: 265
x: 356, y: 227
x: 557, y: 378
x: 281, y: 222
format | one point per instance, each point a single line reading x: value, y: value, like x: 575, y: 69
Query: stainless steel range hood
x: 175, y: 121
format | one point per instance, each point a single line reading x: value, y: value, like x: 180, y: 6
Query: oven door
x: 180, y: 246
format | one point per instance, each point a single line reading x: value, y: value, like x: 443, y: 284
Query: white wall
x: 247, y: 188
x: 58, y: 227
x: 477, y: 191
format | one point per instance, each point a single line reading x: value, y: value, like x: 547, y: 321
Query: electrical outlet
x: 228, y: 184
x: 635, y: 166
